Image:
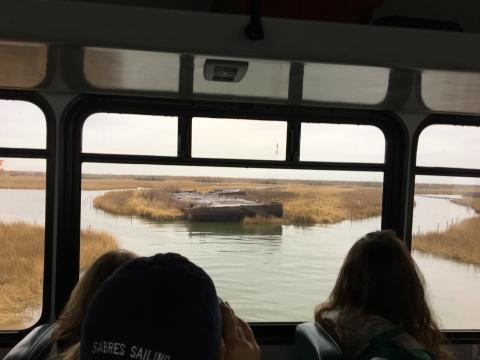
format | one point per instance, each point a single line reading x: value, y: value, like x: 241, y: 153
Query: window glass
x: 274, y: 262
x: 131, y: 134
x: 266, y: 79
x: 449, y: 146
x: 131, y: 69
x: 23, y: 125
x: 345, y: 83
x: 342, y: 143
x: 446, y: 247
x: 451, y: 91
x: 22, y: 226
x: 22, y: 65
x: 239, y: 139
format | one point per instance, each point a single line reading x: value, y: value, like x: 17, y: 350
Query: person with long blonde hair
x: 66, y: 334
x: 379, y: 298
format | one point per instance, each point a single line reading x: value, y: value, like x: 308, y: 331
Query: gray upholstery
x: 312, y: 342
x: 35, y: 346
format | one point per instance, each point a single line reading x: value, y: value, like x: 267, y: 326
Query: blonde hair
x: 68, y: 327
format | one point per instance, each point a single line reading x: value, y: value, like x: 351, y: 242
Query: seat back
x: 35, y: 346
x: 312, y: 342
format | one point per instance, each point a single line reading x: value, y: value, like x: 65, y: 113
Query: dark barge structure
x: 224, y: 206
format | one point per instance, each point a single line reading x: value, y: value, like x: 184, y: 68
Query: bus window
x: 130, y: 134
x: 446, y: 223
x: 449, y: 146
x: 23, y: 125
x: 22, y: 213
x: 273, y: 239
x: 239, y: 139
x: 22, y: 227
x: 342, y: 143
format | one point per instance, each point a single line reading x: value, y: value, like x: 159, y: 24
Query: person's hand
x: 238, y: 340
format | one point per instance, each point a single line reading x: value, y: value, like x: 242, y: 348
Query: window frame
x: 11, y: 337
x: 442, y: 170
x: 455, y: 336
x: 394, y: 167
x: 438, y: 119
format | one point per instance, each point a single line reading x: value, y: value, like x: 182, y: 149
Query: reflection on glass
x: 22, y: 65
x: 449, y: 146
x: 239, y: 139
x: 451, y: 91
x: 23, y: 125
x: 342, y: 143
x: 446, y: 246
x: 266, y: 79
x: 130, y: 134
x: 271, y: 266
x: 345, y: 83
x: 22, y: 220
x: 131, y: 69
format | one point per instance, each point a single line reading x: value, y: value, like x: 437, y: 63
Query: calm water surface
x: 277, y: 272
x: 454, y: 287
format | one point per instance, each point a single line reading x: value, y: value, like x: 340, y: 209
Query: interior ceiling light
x: 224, y: 70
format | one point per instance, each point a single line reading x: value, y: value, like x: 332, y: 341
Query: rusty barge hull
x: 232, y: 213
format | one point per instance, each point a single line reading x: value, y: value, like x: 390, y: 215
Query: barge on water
x: 219, y: 207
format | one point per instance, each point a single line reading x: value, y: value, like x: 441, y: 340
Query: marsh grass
x: 450, y: 189
x: 460, y: 242
x: 21, y: 269
x: 24, y: 180
x: 473, y: 202
x: 303, y: 203
x: 153, y: 204
x: 13, y: 180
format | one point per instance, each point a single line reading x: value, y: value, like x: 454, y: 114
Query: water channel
x: 277, y: 272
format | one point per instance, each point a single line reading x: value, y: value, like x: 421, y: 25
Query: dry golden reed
x: 470, y: 202
x: 20, y: 181
x: 153, y: 204
x: 460, y: 242
x: 303, y: 204
x: 307, y: 204
x: 21, y: 269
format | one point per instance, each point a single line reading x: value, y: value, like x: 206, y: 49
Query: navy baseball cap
x: 162, y: 307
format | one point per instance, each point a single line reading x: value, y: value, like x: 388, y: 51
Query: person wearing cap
x: 163, y: 307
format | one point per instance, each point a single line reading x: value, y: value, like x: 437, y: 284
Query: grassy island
x: 304, y: 203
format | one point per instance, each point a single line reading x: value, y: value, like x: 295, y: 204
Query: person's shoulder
x: 364, y: 325
x: 364, y: 333
x: 375, y: 335
x: 394, y: 344
x: 353, y: 328
x: 408, y: 341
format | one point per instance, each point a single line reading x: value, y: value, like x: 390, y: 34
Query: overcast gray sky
x: 23, y: 125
